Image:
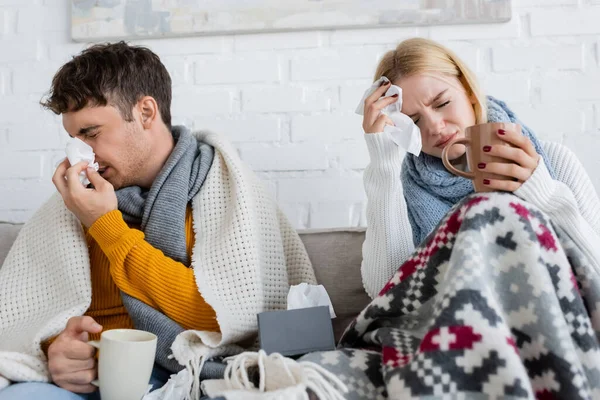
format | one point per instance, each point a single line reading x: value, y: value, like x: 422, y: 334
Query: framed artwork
x: 126, y: 19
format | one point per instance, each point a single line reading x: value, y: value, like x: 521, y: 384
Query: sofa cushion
x: 8, y: 234
x: 336, y: 256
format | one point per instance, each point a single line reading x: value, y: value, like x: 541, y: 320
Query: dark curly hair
x: 113, y: 73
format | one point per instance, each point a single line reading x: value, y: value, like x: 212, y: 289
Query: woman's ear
x: 472, y: 97
x: 148, y: 111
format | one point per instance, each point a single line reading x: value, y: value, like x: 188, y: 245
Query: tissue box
x: 296, y: 332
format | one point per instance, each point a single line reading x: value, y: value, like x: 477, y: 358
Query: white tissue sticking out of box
x: 305, y: 295
x: 404, y: 133
x: 77, y: 150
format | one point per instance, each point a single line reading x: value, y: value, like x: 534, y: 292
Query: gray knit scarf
x: 160, y: 212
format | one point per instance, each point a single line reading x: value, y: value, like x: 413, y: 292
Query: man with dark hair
x: 174, y: 235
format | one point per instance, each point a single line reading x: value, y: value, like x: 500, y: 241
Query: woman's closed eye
x: 444, y: 104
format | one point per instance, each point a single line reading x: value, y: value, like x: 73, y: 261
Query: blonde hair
x: 423, y: 56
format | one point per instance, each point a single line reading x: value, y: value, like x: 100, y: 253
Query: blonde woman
x: 408, y: 196
x: 475, y: 295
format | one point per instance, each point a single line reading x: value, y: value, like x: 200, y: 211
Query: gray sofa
x: 336, y: 257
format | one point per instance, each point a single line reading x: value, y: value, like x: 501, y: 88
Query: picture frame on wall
x: 93, y: 20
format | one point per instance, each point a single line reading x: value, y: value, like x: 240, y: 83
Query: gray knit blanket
x: 496, y: 303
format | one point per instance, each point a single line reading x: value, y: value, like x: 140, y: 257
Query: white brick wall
x: 524, y: 58
x: 564, y: 22
x: 287, y: 99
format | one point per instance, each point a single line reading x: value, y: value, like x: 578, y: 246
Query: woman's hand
x: 525, y: 160
x: 373, y: 120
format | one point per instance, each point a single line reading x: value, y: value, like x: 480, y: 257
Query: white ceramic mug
x: 125, y: 363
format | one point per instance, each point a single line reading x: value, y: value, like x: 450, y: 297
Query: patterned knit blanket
x: 496, y: 303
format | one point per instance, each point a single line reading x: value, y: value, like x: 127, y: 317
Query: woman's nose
x: 433, y: 124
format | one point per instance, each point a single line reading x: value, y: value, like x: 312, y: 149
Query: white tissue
x: 176, y: 387
x: 77, y: 151
x: 305, y: 295
x: 405, y: 133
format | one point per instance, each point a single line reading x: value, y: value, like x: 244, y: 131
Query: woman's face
x: 440, y: 107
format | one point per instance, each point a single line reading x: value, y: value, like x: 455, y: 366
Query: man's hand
x: 71, y: 359
x: 87, y: 204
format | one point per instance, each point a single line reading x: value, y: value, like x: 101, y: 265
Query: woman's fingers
x: 500, y: 185
x: 517, y: 140
x: 383, y: 102
x: 508, y: 170
x: 380, y: 124
x: 377, y: 94
x: 514, y: 154
x: 521, y: 161
x: 371, y: 119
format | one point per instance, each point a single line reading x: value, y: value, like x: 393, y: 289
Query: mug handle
x: 96, y: 344
x: 450, y: 167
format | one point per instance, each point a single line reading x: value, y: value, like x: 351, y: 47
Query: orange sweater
x: 121, y: 259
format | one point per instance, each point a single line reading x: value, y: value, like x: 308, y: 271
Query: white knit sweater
x: 245, y: 258
x: 570, y: 201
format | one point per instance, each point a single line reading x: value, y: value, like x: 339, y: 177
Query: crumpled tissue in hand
x: 77, y: 150
x: 405, y: 133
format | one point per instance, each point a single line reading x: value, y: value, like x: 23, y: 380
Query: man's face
x: 120, y: 146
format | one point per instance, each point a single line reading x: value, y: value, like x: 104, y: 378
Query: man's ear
x: 148, y: 109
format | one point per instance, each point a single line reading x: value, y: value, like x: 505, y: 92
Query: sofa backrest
x: 336, y: 256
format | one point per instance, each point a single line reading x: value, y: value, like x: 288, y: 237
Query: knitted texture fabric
x: 570, y: 200
x: 496, y: 303
x: 160, y: 212
x: 245, y: 258
x: 431, y: 190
